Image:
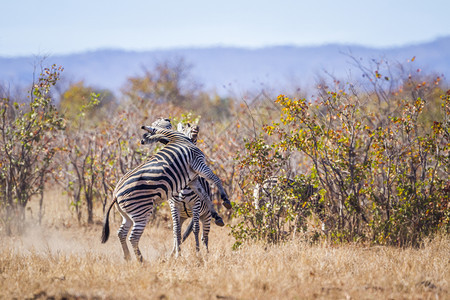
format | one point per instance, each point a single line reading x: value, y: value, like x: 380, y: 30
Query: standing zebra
x: 171, y: 169
x: 182, y: 205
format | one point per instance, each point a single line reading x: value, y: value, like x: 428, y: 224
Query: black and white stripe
x: 183, y: 206
x: 170, y: 170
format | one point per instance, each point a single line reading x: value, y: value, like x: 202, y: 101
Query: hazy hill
x: 226, y: 69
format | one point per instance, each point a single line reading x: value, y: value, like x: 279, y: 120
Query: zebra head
x: 150, y: 138
x: 162, y: 123
x: 191, y: 131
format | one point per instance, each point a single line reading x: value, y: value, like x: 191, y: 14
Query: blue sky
x: 50, y: 27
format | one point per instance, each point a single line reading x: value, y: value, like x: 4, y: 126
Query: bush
x: 382, y: 173
x: 28, y: 143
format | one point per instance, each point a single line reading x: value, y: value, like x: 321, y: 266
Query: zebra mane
x: 155, y: 134
x: 191, y: 131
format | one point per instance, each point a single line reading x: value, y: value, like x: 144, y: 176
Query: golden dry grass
x: 63, y: 260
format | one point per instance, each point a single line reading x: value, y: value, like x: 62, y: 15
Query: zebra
x: 171, y: 169
x: 183, y: 204
x: 187, y: 201
x: 192, y: 133
x: 271, y: 188
x: 182, y: 208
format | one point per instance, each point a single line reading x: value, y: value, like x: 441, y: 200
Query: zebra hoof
x: 219, y: 222
x: 227, y: 204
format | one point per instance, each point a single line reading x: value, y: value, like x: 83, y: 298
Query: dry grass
x: 63, y: 260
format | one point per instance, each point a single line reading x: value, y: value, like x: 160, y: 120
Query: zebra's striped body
x: 183, y: 206
x: 171, y: 169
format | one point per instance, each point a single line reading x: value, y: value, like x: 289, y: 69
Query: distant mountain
x: 229, y: 70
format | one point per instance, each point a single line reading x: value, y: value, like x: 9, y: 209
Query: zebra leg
x: 217, y: 219
x: 123, y: 232
x: 203, y: 170
x: 176, y: 225
x: 195, y: 220
x: 188, y: 231
x: 197, y: 187
x: 136, y: 233
x: 206, y: 223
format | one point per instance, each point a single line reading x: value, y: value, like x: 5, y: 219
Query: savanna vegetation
x: 373, y: 152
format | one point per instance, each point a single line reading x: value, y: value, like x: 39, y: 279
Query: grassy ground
x: 62, y: 259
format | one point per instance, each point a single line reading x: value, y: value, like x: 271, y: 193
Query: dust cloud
x: 82, y: 241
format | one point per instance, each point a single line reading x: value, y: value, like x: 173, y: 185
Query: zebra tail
x: 188, y: 230
x: 105, y: 230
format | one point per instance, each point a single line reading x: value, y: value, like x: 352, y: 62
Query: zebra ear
x: 180, y: 127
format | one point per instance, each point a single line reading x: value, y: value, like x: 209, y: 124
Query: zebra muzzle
x: 149, y: 129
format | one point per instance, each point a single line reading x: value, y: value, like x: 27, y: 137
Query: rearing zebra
x: 171, y: 169
x: 183, y: 206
